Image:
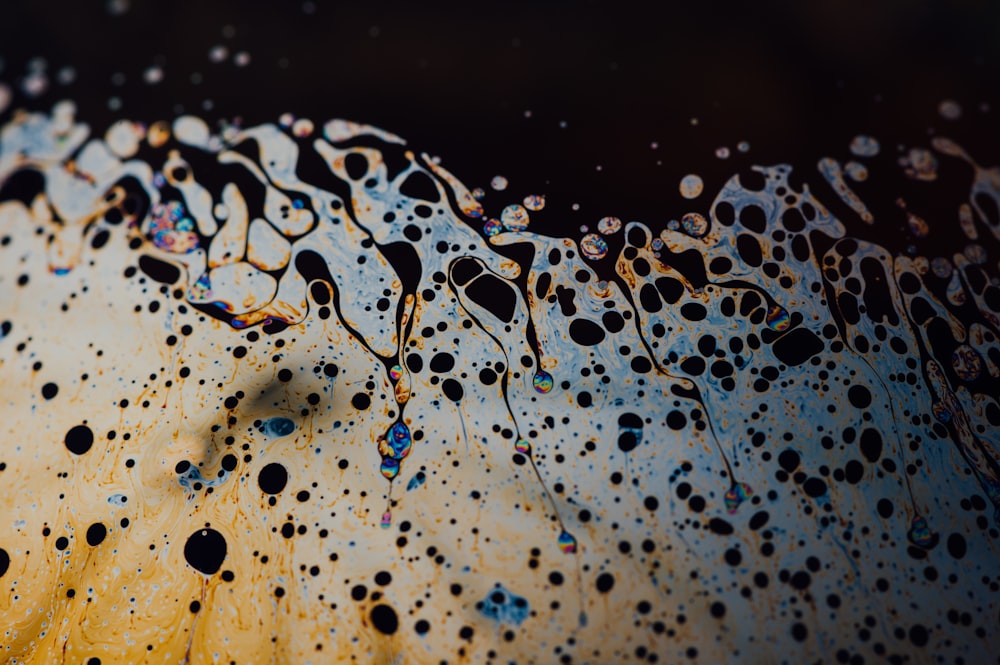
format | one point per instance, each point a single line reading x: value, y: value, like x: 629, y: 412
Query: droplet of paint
x: 542, y: 381
x: 386, y: 520
x: 778, y: 318
x: 736, y: 495
x: 593, y: 246
x: 691, y: 186
x: 515, y: 217
x: 694, y: 224
x: 492, y: 227
x: 609, y: 225
x: 522, y: 446
x: 567, y: 543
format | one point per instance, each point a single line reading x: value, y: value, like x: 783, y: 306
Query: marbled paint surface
x: 291, y: 394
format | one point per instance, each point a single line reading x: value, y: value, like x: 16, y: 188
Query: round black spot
x: 62, y: 542
x: 918, y: 635
x: 585, y: 333
x: 285, y: 375
x: 814, y: 487
x: 725, y: 214
x: 4, y: 561
x: 720, y: 526
x: 693, y: 366
x: 361, y: 401
x: 627, y: 441
x: 789, y: 460
x: 718, y: 610
x: 487, y: 376
x: 414, y: 362
x: 272, y: 478
x: 229, y: 462
x: 800, y: 632
x: 79, y: 439
x: 733, y: 557
x: 884, y: 508
x: 359, y: 592
x: 853, y: 472
x: 956, y: 545
x: 452, y: 390
x: 693, y: 311
x: 205, y: 550
x: 859, y: 396
x: 605, y: 581
x: 752, y: 217
x: 50, y: 390
x: 384, y: 619
x: 356, y: 166
x: 641, y: 365
x: 613, y: 321
x: 422, y: 627
x: 442, y: 362
x: 871, y: 444
x: 96, y: 533
x: 383, y: 578
x: 584, y: 399
x: 676, y: 420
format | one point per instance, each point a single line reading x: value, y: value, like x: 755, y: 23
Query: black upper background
x: 796, y: 80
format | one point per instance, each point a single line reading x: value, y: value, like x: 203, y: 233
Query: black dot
x: 604, y: 582
x: 956, y: 545
x: 4, y: 561
x: 859, y: 396
x: 79, y: 439
x: 422, y: 627
x: 96, y: 533
x: 49, y: 390
x: 361, y: 401
x: 452, y: 390
x: 382, y: 578
x: 205, y: 550
x: 359, y: 592
x: 272, y: 478
x: 718, y: 610
x: 384, y: 619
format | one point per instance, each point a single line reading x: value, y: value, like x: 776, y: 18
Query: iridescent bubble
x: 609, y: 225
x: 171, y: 229
x: 593, y: 246
x: 567, y: 543
x: 386, y: 520
x: 542, y: 381
x: 303, y: 128
x: 479, y: 193
x: 397, y: 442
x: 492, y: 227
x: 499, y: 183
x: 522, y: 446
x: 534, y: 202
x: 515, y: 217
x: 941, y: 412
x: 966, y: 362
x: 778, y: 318
x: 920, y: 533
x: 396, y: 372
x: 918, y: 225
x: 389, y: 468
x: 694, y: 224
x: 941, y: 267
x: 736, y: 495
x: 743, y: 146
x: 691, y: 186
x: 864, y: 146
x: 722, y: 152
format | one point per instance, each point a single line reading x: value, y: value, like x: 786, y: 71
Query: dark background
x: 796, y: 80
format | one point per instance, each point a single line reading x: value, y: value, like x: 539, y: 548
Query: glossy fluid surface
x: 291, y: 393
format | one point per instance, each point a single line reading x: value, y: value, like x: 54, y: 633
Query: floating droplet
x: 593, y: 246
x: 386, y: 520
x: 864, y: 146
x: 171, y: 229
x: 941, y: 267
x: 396, y: 372
x: 478, y: 193
x: 609, y: 225
x: 856, y: 171
x: 389, y: 467
x: 522, y: 446
x: 534, y: 202
x: 694, y: 224
x: 499, y: 183
x: 722, y: 152
x: 492, y: 227
x: 515, y: 217
x: 691, y: 186
x: 950, y: 109
x: 743, y: 146
x: 542, y: 381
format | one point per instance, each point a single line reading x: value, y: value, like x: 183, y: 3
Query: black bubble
x: 205, y: 550
x: 272, y: 478
x: 604, y: 582
x: 956, y: 545
x: 361, y: 401
x: 442, y: 362
x: 789, y: 460
x: 452, y: 390
x: 384, y: 619
x: 96, y: 533
x: 585, y: 333
x: 859, y: 396
x: 79, y: 439
x: 50, y: 390
x: 4, y: 561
